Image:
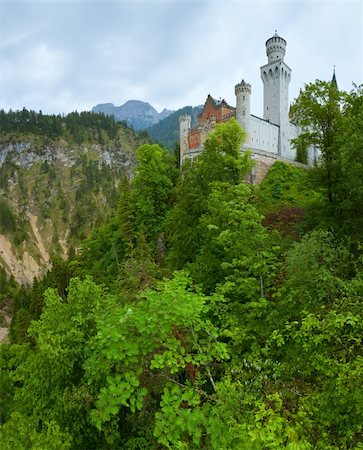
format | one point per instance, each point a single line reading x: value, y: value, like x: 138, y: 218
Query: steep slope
x: 53, y: 191
x: 136, y: 113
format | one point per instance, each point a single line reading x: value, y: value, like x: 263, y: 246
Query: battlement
x: 275, y: 48
x: 242, y: 87
x: 276, y: 40
x: 184, y: 118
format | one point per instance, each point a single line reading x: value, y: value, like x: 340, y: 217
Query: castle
x: 268, y: 138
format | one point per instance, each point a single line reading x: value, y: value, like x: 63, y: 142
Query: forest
x: 206, y: 313
x: 75, y: 127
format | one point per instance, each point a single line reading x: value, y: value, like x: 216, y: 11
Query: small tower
x: 184, y: 129
x: 276, y: 75
x: 243, y: 107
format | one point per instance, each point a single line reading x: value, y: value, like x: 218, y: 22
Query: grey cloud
x: 64, y: 55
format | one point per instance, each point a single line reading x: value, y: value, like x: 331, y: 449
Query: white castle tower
x: 243, y: 107
x: 184, y: 129
x: 268, y: 138
x: 276, y: 78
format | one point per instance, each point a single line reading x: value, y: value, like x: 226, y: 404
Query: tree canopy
x: 191, y: 320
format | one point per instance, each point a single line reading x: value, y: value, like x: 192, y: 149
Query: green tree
x: 159, y: 354
x: 7, y: 218
x: 235, y: 245
x: 221, y: 160
x: 318, y: 110
x: 316, y: 269
x: 314, y: 352
x: 152, y: 188
x: 50, y: 393
x: 125, y: 215
x: 351, y: 194
x: 24, y: 432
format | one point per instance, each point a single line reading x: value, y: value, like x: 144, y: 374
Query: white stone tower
x: 243, y: 107
x: 184, y: 128
x: 276, y: 77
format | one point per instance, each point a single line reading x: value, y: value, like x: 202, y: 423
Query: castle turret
x: 184, y: 129
x: 275, y: 48
x: 276, y: 77
x: 243, y: 107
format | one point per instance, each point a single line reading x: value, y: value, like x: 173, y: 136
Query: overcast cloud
x: 61, y: 56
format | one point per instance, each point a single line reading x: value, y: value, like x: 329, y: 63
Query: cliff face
x: 52, y: 194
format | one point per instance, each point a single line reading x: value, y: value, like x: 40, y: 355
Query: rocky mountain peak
x: 136, y: 113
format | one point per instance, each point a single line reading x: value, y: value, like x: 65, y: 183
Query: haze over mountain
x: 136, y: 113
x: 163, y: 127
x: 167, y: 130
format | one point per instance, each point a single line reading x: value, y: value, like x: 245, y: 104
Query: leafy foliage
x: 221, y: 161
x: 286, y: 185
x: 256, y: 343
x: 332, y: 122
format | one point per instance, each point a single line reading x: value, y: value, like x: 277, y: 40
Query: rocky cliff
x: 52, y: 193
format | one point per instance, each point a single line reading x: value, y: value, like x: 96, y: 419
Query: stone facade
x: 270, y: 135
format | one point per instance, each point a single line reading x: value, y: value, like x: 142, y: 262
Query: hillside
x: 138, y: 114
x: 162, y: 127
x: 206, y: 313
x: 167, y: 130
x: 56, y: 185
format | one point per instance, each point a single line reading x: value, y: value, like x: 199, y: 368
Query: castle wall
x: 263, y: 135
x: 294, y: 132
x: 184, y: 129
x: 192, y: 154
x: 194, y: 139
x: 263, y: 162
x: 313, y: 153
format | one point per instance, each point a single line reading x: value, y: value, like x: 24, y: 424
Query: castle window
x: 243, y: 112
x: 243, y: 97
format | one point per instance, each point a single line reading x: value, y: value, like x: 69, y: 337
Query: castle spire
x: 334, y: 79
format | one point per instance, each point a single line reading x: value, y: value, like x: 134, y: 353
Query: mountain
x: 167, y: 130
x: 138, y: 114
x: 163, y: 127
x: 59, y: 178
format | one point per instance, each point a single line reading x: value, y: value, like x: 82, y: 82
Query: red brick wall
x: 194, y: 139
x: 213, y: 110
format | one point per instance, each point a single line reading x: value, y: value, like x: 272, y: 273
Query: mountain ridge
x: 136, y: 113
x: 167, y: 130
x: 162, y: 127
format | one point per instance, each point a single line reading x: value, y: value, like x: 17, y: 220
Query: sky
x: 60, y: 56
